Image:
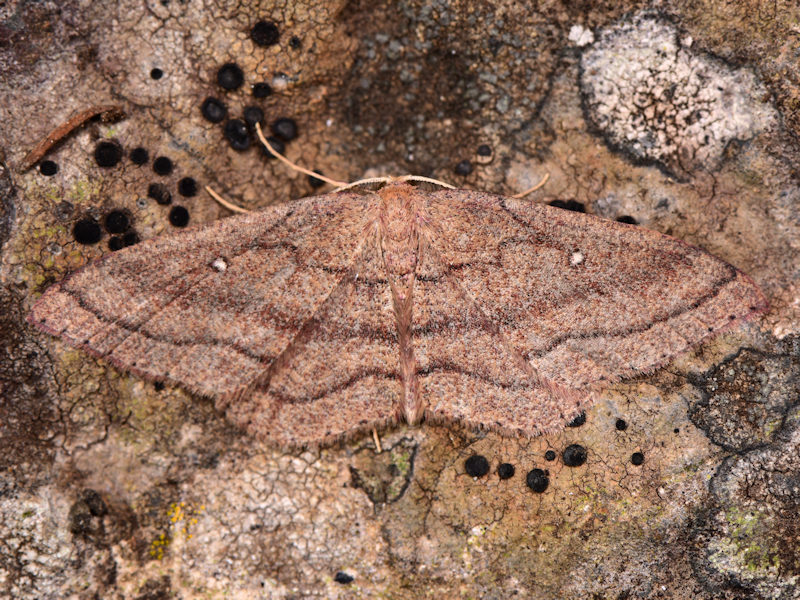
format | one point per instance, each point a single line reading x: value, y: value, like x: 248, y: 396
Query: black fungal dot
x: 676, y: 430
x: 574, y: 455
x: 107, y: 154
x: 162, y: 165
x: 637, y: 458
x: 315, y: 182
x: 156, y: 74
x: 265, y: 33
x: 158, y: 385
x: 159, y: 193
x: 276, y: 144
x: 476, y: 466
x: 230, y: 76
x: 262, y: 89
x: 237, y: 135
x: 130, y: 238
x: 117, y: 221
x: 578, y: 421
x: 463, y: 168
x: 80, y: 518
x: 94, y: 501
x: 213, y: 110
x: 537, y: 480
x: 627, y: 219
x: 343, y: 578
x: 115, y: 243
x: 295, y: 42
x: 549, y: 455
x: 253, y: 115
x: 179, y: 216
x: 484, y: 150
x: 572, y: 205
x: 505, y: 470
x: 284, y: 128
x: 139, y: 156
x: 621, y: 425
x: 187, y: 187
x: 48, y: 168
x: 87, y: 231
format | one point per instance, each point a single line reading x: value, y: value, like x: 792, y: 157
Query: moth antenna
x: 542, y: 181
x: 389, y: 179
x: 343, y: 185
x: 427, y: 180
x: 377, y: 439
x: 225, y: 203
x: 292, y: 165
x: 348, y: 186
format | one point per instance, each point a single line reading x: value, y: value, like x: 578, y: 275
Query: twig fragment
x: 107, y: 113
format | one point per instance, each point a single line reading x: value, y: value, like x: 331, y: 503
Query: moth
x: 337, y: 313
x: 319, y: 319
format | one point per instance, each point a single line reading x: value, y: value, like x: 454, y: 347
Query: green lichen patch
x: 384, y: 476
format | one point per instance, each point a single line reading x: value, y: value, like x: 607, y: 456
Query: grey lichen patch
x: 256, y: 530
x: 29, y: 419
x: 751, y: 536
x: 742, y: 401
x: 384, y: 476
x: 651, y: 96
x: 36, y: 557
x: 58, y: 543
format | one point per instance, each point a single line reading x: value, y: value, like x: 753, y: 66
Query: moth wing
x: 340, y: 375
x: 580, y: 300
x: 211, y: 308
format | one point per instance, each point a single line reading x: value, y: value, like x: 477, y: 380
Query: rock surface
x: 682, y: 117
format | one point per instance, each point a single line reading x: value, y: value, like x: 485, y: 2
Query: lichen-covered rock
x: 650, y: 95
x: 686, y: 484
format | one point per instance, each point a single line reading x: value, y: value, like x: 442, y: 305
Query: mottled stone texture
x: 112, y: 487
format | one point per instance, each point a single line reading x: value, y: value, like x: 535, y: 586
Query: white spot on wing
x: 219, y: 265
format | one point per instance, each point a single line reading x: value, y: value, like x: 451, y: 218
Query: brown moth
x: 315, y: 320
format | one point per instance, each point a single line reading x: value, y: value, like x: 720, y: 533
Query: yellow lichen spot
x: 183, y: 513
x: 157, y: 546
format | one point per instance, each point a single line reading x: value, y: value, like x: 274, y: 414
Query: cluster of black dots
x: 537, y: 479
x: 240, y: 131
x: 119, y: 223
x: 576, y: 206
